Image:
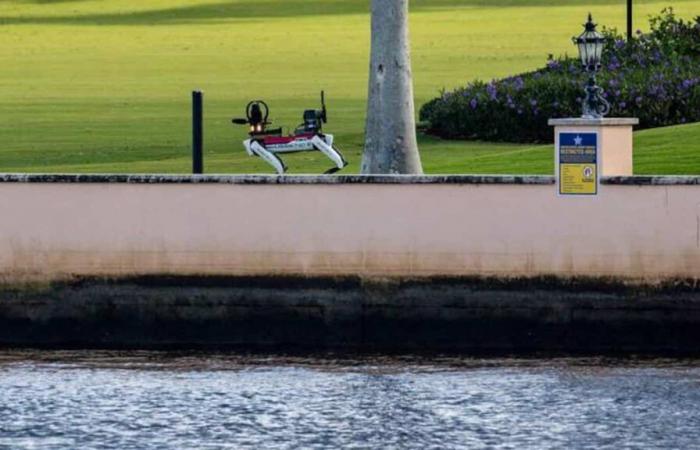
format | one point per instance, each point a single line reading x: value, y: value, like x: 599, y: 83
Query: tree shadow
x: 246, y: 9
x: 42, y: 2
x: 260, y: 9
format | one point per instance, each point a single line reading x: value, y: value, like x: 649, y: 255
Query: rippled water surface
x: 154, y: 400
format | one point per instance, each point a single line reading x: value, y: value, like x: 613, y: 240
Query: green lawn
x: 104, y: 85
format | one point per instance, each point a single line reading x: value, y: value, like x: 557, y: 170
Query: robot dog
x: 308, y: 136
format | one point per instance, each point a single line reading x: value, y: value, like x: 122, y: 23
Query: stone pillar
x: 615, y: 140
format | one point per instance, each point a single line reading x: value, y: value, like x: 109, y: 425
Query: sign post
x: 578, y: 163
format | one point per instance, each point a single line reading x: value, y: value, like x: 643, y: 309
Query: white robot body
x: 268, y: 144
x: 268, y: 147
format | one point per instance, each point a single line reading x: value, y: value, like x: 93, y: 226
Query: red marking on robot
x: 277, y: 140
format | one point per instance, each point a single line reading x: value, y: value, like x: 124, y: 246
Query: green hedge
x: 656, y: 78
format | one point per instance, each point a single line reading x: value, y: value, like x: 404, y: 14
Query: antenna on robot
x: 324, y: 112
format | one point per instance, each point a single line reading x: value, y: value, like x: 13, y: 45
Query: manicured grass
x: 671, y: 150
x: 104, y: 85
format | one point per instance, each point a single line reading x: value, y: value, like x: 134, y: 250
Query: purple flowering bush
x: 656, y: 78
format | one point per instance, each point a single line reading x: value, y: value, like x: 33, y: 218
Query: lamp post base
x: 594, y: 105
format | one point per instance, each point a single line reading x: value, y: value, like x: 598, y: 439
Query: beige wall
x: 50, y: 230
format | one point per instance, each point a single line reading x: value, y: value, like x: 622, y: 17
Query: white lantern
x: 590, y: 46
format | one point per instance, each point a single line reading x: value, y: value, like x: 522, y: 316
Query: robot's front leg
x: 267, y: 156
x: 330, y: 151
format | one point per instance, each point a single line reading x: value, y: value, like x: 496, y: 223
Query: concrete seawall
x: 56, y: 227
x: 464, y: 263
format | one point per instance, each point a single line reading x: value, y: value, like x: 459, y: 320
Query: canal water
x: 141, y: 400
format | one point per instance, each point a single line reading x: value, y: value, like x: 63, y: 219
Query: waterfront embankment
x: 457, y: 263
x: 484, y: 316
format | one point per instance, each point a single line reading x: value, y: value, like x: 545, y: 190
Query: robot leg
x: 330, y: 151
x: 268, y: 157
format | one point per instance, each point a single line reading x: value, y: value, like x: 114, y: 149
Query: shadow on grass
x: 258, y: 9
x: 42, y: 2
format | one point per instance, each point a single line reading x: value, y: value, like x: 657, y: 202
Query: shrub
x: 656, y: 78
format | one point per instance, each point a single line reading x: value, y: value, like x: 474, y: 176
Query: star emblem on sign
x: 578, y: 140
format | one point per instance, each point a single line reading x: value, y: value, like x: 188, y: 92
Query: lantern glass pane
x: 582, y: 53
x: 591, y: 53
x: 598, y: 51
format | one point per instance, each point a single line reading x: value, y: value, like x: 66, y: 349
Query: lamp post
x: 590, y: 47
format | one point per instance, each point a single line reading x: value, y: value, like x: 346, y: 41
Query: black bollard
x: 197, y: 133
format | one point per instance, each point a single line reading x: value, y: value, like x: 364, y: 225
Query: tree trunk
x: 390, y: 133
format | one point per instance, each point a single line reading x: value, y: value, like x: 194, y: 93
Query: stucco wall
x: 57, y: 226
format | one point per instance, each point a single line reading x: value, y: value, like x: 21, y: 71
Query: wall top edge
x: 604, y: 122
x: 330, y: 179
x: 274, y: 179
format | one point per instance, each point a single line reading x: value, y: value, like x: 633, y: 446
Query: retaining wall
x: 465, y: 263
x: 54, y: 227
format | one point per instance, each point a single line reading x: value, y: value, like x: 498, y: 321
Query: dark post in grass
x: 197, y: 133
x: 629, y: 20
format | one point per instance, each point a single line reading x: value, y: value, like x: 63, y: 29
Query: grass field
x: 104, y: 85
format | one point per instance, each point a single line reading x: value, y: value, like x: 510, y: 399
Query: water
x: 85, y: 400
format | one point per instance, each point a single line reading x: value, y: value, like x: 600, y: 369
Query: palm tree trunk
x: 390, y: 134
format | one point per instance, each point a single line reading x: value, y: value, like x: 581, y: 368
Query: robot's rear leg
x: 335, y: 169
x: 331, y: 152
x: 268, y: 157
